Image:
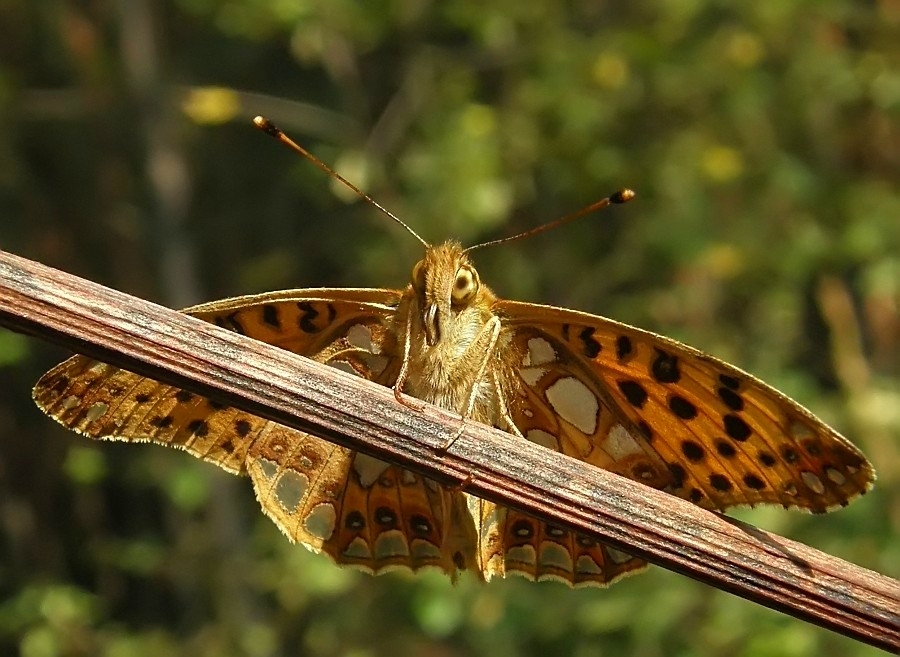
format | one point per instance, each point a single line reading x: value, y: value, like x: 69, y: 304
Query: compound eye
x: 418, y: 277
x: 465, y: 286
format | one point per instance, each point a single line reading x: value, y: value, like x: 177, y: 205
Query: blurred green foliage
x: 763, y: 140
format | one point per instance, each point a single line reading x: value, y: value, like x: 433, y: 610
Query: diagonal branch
x: 272, y: 383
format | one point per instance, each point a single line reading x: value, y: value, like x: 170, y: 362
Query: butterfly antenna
x: 274, y: 131
x: 622, y: 196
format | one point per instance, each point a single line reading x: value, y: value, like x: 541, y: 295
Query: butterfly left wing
x: 515, y: 543
x: 725, y: 437
x: 554, y: 401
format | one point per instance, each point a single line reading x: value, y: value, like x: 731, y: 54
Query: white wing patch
x: 360, y: 336
x: 620, y: 444
x: 321, y: 521
x: 541, y: 437
x: 540, y: 352
x: 290, y: 489
x: 368, y: 468
x: 575, y: 403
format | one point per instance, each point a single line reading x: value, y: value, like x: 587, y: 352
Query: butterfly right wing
x: 101, y: 401
x: 360, y: 511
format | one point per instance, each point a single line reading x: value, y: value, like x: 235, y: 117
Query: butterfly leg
x: 504, y: 409
x: 492, y: 332
x: 447, y: 445
x: 465, y: 483
x: 404, y: 369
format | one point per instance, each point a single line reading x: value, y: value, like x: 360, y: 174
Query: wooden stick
x: 280, y: 386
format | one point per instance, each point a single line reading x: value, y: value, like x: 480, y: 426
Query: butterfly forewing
x: 563, y: 405
x: 104, y: 402
x: 326, y: 324
x: 727, y: 438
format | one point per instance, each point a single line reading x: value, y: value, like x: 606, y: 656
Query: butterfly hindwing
x: 514, y: 543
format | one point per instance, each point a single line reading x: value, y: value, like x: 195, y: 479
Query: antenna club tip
x: 266, y: 126
x: 622, y: 196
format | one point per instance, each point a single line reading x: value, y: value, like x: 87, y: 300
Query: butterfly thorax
x: 456, y: 352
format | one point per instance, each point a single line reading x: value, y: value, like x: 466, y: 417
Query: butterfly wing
x: 725, y: 437
x: 105, y: 402
x: 360, y: 511
x: 560, y: 405
x: 515, y: 543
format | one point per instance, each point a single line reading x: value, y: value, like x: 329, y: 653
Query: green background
x: 763, y: 141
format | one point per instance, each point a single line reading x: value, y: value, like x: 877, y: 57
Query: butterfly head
x: 445, y: 283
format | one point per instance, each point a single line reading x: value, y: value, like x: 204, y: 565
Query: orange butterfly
x: 612, y: 395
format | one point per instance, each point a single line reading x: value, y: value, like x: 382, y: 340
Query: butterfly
x: 611, y: 395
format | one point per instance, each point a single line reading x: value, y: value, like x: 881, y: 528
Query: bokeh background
x: 763, y: 141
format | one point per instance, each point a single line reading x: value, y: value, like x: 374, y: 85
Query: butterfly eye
x: 465, y: 286
x: 418, y: 277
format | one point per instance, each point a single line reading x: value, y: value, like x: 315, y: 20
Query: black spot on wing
x: 385, y: 517
x: 624, y: 348
x: 420, y: 525
x: 589, y: 345
x: 682, y: 407
x: 720, y: 482
x: 736, y: 428
x: 271, y: 316
x: 61, y: 384
x: 725, y: 448
x: 522, y: 529
x: 162, y: 421
x: 754, y: 482
x: 664, y: 367
x: 231, y: 322
x: 307, y: 321
x: 790, y: 454
x: 355, y: 521
x: 645, y: 430
x: 634, y: 392
x: 731, y: 399
x: 198, y: 427
x: 678, y: 473
x: 693, y: 450
x: 729, y: 381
